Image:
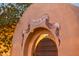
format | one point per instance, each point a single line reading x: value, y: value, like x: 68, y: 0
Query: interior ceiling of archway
x: 46, y: 47
x: 42, y: 36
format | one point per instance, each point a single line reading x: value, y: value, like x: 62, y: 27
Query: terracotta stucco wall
x: 64, y: 14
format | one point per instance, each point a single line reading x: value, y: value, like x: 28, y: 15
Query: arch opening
x: 46, y: 47
x: 34, y: 41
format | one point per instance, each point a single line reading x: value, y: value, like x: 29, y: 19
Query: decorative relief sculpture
x: 42, y: 20
x: 24, y: 32
x: 38, y: 22
x: 56, y: 27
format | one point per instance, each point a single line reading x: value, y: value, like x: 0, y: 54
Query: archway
x: 38, y: 37
x: 46, y: 47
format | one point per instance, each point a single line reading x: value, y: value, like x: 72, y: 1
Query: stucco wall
x: 64, y: 14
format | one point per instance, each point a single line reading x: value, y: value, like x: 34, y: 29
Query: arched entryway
x: 46, y: 47
x: 41, y: 42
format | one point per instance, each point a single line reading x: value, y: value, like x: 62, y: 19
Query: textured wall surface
x: 65, y: 14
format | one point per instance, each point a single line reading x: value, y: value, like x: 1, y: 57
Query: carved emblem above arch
x: 42, y: 22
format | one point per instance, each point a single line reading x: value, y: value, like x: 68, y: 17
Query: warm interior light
x: 42, y: 36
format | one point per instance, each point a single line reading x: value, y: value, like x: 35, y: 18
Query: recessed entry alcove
x: 46, y: 47
x: 41, y: 43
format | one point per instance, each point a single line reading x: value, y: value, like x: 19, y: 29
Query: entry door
x: 46, y: 47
